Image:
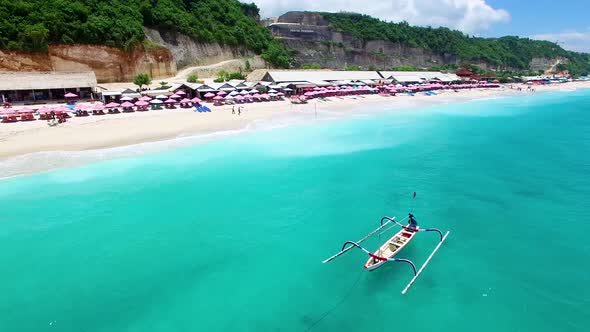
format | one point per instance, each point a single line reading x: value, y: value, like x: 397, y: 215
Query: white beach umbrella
x: 156, y: 101
x: 234, y: 93
x: 272, y: 91
x: 244, y: 92
x: 254, y: 91
x: 126, y: 99
x: 287, y: 89
x: 161, y: 97
x: 229, y: 97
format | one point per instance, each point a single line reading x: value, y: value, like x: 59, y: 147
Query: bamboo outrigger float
x: 393, y: 246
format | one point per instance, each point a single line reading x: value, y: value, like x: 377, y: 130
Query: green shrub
x: 192, y: 78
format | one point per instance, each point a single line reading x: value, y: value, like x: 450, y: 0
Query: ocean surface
x: 229, y: 235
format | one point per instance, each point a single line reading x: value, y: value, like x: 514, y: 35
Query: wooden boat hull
x: 390, y: 248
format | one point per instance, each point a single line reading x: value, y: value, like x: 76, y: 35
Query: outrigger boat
x: 393, y: 246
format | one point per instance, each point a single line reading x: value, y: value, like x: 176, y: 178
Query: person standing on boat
x: 412, y: 222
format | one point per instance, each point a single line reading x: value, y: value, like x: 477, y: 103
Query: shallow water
x: 230, y: 235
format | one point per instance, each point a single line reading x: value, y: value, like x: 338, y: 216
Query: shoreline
x: 95, y: 133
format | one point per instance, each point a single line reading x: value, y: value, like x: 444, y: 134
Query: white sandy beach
x: 96, y: 132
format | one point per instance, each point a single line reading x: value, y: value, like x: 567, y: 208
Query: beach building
x: 466, y: 74
x: 284, y: 76
x: 415, y: 77
x: 299, y: 80
x: 40, y: 87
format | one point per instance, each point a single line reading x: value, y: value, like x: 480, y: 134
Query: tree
x: 192, y: 78
x: 247, y: 65
x: 236, y: 76
x: 223, y: 75
x: 141, y: 80
x: 372, y: 67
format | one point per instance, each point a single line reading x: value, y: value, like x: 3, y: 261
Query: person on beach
x: 240, y: 110
x: 412, y: 222
x: 233, y: 110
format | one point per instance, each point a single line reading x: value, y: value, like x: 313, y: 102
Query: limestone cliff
x: 109, y: 64
x: 187, y: 51
x: 166, y: 52
x: 312, y: 40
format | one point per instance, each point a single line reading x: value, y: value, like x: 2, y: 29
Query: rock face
x: 311, y: 39
x: 114, y: 65
x: 109, y: 64
x: 187, y: 52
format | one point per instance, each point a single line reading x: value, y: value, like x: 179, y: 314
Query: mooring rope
x: 327, y: 313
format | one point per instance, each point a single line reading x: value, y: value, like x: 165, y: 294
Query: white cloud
x: 572, y: 40
x: 470, y: 16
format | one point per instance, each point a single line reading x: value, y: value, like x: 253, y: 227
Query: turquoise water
x: 230, y: 235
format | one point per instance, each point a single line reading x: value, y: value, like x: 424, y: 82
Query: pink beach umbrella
x: 145, y: 98
x: 221, y: 93
x: 185, y: 101
x: 170, y: 101
x: 239, y: 97
x: 25, y: 111
x: 127, y: 104
x: 61, y: 109
x: 7, y: 111
x: 112, y: 105
x: 180, y: 93
x: 264, y: 96
x: 98, y: 107
x: 175, y: 96
x: 141, y: 103
x: 70, y: 95
x: 218, y: 98
x: 43, y: 110
x: 209, y: 95
x: 196, y: 100
x: 256, y: 95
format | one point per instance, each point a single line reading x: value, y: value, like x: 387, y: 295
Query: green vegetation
x: 445, y: 68
x: 506, y: 52
x: 248, y: 66
x: 141, y: 80
x: 192, y: 78
x: 32, y: 25
x: 352, y: 68
x: 311, y: 66
x: 148, y: 44
x: 164, y: 86
x: 404, y: 68
x: 223, y: 76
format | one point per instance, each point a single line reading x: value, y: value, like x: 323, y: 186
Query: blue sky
x: 566, y: 21
x: 529, y: 17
